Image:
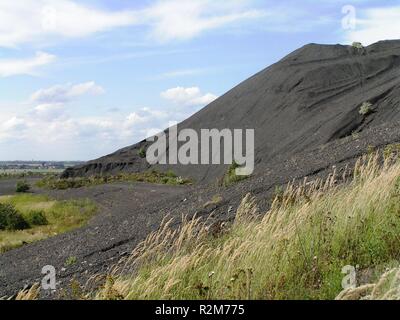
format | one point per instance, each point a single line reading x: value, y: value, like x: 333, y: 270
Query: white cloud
x: 13, y: 128
x: 65, y: 93
x: 34, y: 20
x: 28, y: 66
x: 14, y: 123
x: 375, y: 24
x: 134, y: 118
x: 48, y: 129
x: 49, y: 111
x: 188, y: 96
x: 182, y: 20
x: 41, y: 20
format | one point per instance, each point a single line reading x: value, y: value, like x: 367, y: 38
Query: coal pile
x: 312, y: 97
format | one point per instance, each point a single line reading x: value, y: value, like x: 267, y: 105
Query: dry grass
x: 294, y: 251
x: 215, y: 201
x: 29, y: 294
x: 386, y: 288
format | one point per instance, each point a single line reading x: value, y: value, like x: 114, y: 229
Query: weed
x: 366, y: 109
x: 71, y: 261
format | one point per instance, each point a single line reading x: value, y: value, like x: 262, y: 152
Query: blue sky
x: 80, y: 79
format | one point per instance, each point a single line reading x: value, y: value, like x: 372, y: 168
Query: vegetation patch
x: 36, y: 218
x: 392, y: 151
x: 142, y: 153
x: 294, y: 251
x: 11, y: 219
x: 27, y: 218
x: 215, y: 201
x: 231, y: 177
x: 22, y: 187
x: 71, y: 261
x: 152, y: 176
x: 357, y: 45
x: 366, y: 109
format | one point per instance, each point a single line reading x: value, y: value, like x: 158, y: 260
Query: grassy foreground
x: 43, y: 218
x: 295, y: 251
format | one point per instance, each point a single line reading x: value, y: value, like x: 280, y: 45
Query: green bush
x: 36, y: 218
x: 170, y: 174
x: 11, y: 219
x: 22, y: 187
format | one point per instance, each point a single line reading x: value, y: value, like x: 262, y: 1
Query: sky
x: 81, y: 79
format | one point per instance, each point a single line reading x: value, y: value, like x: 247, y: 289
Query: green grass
x: 152, y: 176
x: 45, y: 218
x: 295, y: 251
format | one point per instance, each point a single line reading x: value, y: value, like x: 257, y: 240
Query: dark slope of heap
x: 309, y: 98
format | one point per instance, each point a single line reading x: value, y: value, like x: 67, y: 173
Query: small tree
x: 22, y: 187
x: 11, y: 219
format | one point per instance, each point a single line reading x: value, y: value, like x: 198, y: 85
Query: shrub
x: 165, y: 180
x: 366, y: 108
x: 11, y: 219
x: 22, y: 187
x: 142, y: 153
x: 231, y: 176
x: 357, y: 45
x: 170, y: 174
x: 36, y: 218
